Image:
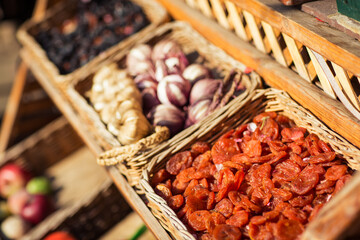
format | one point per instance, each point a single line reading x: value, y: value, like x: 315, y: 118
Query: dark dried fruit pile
x: 263, y: 180
x: 98, y: 25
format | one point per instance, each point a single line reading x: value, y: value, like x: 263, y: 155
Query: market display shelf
x: 290, y: 49
x: 129, y: 194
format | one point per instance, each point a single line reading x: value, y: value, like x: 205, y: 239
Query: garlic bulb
x: 144, y: 81
x: 195, y: 72
x: 169, y: 116
x: 174, y: 89
x: 198, y: 111
x: 164, y: 49
x: 138, y: 60
x: 204, y: 89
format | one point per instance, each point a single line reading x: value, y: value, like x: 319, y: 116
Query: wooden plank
x: 309, y: 96
x: 321, y: 75
x: 236, y: 20
x: 297, y: 59
x: 276, y: 49
x: 12, y: 107
x: 254, y: 30
x: 128, y: 192
x: 328, y: 42
x: 346, y: 84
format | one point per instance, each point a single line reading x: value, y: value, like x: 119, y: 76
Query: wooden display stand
x: 278, y: 75
x: 11, y: 113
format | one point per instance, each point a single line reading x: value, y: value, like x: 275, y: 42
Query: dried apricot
x: 288, y: 229
x: 239, y: 219
x: 179, y: 162
x: 225, y: 207
x: 224, y: 149
x: 159, y: 177
x: 175, y: 202
x: 198, y: 218
x: 226, y: 232
x: 335, y: 172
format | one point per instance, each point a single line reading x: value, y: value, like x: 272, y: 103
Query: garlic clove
x: 174, y: 89
x: 195, y: 72
x: 204, y: 89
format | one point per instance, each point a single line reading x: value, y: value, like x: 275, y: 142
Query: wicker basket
x: 66, y: 9
x: 263, y: 100
x: 43, y: 154
x: 134, y: 157
x: 91, y: 218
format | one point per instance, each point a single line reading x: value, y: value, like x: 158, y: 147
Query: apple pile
x: 25, y: 200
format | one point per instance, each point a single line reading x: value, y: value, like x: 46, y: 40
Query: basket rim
x: 160, y: 206
x: 40, y: 55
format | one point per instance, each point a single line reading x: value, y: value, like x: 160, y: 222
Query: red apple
x: 12, y: 179
x: 14, y: 227
x: 17, y: 201
x: 37, y: 208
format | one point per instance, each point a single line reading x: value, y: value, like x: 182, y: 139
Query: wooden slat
x: 236, y: 20
x: 296, y: 56
x: 311, y: 70
x: 320, y: 104
x: 12, y: 107
x: 251, y: 22
x: 219, y: 13
x: 191, y: 3
x: 346, y: 84
x: 321, y: 75
x: 276, y: 49
x: 328, y: 42
x: 205, y: 8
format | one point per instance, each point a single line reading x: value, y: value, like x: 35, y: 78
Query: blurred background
x: 12, y: 14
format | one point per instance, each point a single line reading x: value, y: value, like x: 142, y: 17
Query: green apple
x: 38, y: 185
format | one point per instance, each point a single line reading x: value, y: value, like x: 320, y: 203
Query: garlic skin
x: 204, y: 89
x: 174, y: 89
x: 160, y: 70
x: 198, y: 111
x: 164, y: 49
x: 138, y: 60
x: 195, y: 72
x: 144, y: 81
x: 149, y: 99
x: 169, y: 116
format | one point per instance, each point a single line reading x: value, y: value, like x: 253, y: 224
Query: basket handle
x: 123, y: 153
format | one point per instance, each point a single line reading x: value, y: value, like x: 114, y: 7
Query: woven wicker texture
x: 238, y: 113
x: 199, y: 50
x: 66, y: 9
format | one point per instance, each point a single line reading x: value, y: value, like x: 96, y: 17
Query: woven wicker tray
x: 133, y: 158
x: 263, y: 100
x: 66, y: 9
x: 47, y: 152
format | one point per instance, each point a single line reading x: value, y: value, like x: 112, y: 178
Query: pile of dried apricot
x: 263, y: 180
